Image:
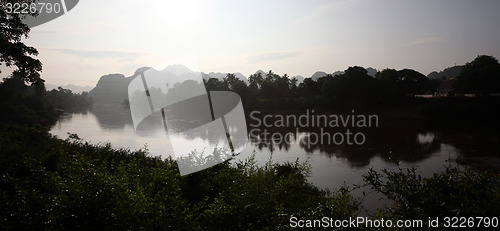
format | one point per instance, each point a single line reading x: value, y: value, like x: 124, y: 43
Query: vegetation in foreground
x: 56, y: 184
x: 455, y: 192
x: 47, y: 183
x: 70, y: 184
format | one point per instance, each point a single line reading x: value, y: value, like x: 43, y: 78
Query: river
x: 415, y: 144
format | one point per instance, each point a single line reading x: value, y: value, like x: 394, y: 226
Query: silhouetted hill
x: 337, y: 73
x: 318, y: 75
x: 450, y: 72
x: 140, y: 70
x: 371, y: 72
x: 299, y: 78
x: 261, y: 72
x: 177, y: 70
x: 241, y: 77
x: 112, y: 88
x: 73, y: 88
x: 205, y: 76
x: 217, y: 75
x: 220, y: 76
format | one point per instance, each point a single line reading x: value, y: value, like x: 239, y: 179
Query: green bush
x: 452, y: 193
x: 70, y: 184
x: 54, y: 184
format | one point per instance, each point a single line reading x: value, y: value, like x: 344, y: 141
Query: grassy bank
x: 48, y: 183
x: 57, y: 184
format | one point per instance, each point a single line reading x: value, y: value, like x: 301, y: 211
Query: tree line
x: 480, y: 77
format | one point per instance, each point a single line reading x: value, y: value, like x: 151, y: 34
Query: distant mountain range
x: 318, y: 74
x: 299, y: 78
x: 220, y: 76
x: 450, y: 72
x: 73, y: 88
x: 113, y: 88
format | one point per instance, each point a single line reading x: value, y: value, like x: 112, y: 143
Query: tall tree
x: 406, y: 82
x: 255, y: 80
x: 293, y: 85
x: 481, y: 76
x: 355, y: 83
x: 391, y: 86
x: 13, y: 52
x: 413, y: 82
x: 309, y: 88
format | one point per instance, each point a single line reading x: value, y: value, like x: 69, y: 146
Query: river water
x: 412, y: 144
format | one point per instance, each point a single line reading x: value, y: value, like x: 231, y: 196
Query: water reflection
x: 425, y: 138
x: 414, y: 144
x: 404, y: 144
x: 407, y: 142
x: 112, y: 116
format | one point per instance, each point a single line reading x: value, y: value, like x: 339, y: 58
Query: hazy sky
x: 294, y: 37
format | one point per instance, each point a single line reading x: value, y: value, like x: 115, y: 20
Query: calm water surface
x: 431, y: 149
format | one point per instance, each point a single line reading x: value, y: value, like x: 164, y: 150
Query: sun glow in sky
x: 296, y: 37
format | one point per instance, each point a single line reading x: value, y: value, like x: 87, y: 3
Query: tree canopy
x: 13, y: 52
x: 481, y: 76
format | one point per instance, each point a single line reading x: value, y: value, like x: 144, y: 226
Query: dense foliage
x: 48, y: 183
x: 389, y: 90
x: 13, y: 52
x: 481, y: 76
x: 71, y: 184
x: 453, y: 193
x: 67, y: 100
x: 24, y: 104
x: 56, y: 184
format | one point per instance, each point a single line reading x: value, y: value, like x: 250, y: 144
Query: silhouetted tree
x: 268, y: 88
x: 231, y: 80
x: 13, y: 52
x: 215, y: 84
x: 293, y: 86
x: 237, y: 85
x: 481, y: 76
x: 65, y: 99
x: 413, y: 82
x: 309, y: 88
x: 328, y: 86
x: 355, y: 83
x: 406, y: 82
x: 390, y: 86
x: 282, y: 85
x: 256, y: 80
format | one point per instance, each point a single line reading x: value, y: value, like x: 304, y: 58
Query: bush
x: 70, y: 184
x: 452, y: 193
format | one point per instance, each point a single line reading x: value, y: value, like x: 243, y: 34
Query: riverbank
x: 63, y: 184
x: 444, y: 111
x: 57, y: 184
